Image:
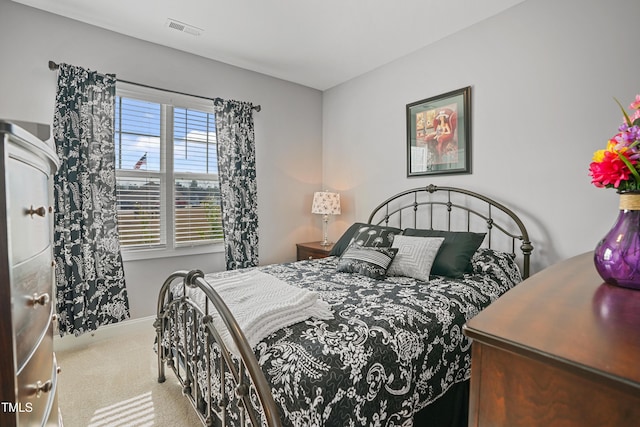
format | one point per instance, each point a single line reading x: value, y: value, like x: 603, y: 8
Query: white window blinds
x: 167, y: 181
x: 197, y: 194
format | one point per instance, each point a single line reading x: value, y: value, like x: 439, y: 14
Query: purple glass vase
x: 617, y: 256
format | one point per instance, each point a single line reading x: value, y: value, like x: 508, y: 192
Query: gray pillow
x: 415, y: 256
x: 454, y: 258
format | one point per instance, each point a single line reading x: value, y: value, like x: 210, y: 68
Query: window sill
x: 142, y: 254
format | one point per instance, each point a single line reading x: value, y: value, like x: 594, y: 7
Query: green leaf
x: 633, y: 170
x: 626, y: 116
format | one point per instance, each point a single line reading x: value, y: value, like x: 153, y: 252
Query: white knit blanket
x: 261, y: 304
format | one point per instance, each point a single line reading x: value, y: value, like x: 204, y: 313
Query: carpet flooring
x: 109, y: 379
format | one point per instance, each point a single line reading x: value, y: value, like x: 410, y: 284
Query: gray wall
x: 543, y: 77
x: 288, y: 129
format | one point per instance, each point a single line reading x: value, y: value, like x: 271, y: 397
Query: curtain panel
x: 237, y: 176
x: 90, y: 285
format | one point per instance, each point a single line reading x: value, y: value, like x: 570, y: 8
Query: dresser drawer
x: 29, y: 214
x: 54, y: 418
x: 37, y: 384
x: 32, y: 302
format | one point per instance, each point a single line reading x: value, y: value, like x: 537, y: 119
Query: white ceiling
x: 314, y: 43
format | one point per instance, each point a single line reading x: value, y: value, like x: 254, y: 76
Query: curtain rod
x: 53, y: 66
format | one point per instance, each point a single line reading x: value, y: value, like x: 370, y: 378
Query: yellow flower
x: 612, y: 147
x: 598, y: 156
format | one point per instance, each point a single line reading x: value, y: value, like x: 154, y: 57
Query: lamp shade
x: 326, y: 203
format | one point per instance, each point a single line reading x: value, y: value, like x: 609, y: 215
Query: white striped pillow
x: 369, y: 261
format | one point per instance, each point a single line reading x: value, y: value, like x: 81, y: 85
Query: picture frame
x: 439, y: 134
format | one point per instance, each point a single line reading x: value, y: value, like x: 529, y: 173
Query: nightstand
x: 312, y: 250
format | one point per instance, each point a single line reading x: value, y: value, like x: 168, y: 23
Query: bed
x: 391, y: 354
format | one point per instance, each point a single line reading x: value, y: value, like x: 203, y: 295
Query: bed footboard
x: 186, y: 338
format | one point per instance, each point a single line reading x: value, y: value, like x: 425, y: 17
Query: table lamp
x: 325, y: 203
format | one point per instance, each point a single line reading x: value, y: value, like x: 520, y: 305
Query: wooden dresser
x: 28, y: 369
x: 560, y: 349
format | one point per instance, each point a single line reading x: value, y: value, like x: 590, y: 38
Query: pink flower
x: 635, y: 104
x: 609, y: 170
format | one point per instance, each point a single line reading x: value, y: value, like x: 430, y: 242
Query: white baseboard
x: 70, y: 342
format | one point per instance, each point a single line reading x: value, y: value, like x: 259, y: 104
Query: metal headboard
x: 410, y: 208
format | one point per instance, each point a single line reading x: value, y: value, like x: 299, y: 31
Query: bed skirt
x: 450, y: 410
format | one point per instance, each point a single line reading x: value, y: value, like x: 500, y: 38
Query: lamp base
x: 325, y: 241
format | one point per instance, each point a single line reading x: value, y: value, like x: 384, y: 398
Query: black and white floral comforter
x: 393, y: 347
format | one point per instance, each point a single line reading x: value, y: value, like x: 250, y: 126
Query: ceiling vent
x: 185, y: 28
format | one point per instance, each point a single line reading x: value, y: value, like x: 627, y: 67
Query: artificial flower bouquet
x: 618, y: 165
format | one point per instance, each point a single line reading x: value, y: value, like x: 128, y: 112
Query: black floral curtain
x: 89, y: 275
x: 237, y: 176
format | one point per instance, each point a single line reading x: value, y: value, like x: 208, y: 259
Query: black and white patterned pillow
x: 369, y: 261
x: 375, y: 235
x: 496, y: 263
x: 379, y: 236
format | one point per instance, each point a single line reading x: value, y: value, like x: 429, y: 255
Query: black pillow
x: 454, y: 257
x: 367, y: 235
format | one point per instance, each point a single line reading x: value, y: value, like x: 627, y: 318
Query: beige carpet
x: 110, y: 379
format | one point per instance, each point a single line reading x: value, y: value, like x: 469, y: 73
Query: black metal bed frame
x: 393, y: 212
x: 251, y: 388
x: 181, y: 321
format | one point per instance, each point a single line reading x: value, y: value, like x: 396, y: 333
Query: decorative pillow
x: 371, y: 262
x: 366, y: 235
x: 415, y: 256
x: 379, y: 236
x: 345, y: 240
x: 496, y: 263
x: 456, y: 251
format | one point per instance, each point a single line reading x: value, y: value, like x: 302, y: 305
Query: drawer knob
x: 37, y: 300
x: 41, y: 211
x: 40, y: 387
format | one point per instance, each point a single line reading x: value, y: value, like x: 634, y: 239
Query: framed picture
x: 439, y: 134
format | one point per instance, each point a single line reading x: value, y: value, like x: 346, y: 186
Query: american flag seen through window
x: 141, y: 162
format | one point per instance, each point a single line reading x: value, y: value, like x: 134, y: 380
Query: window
x: 166, y: 170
